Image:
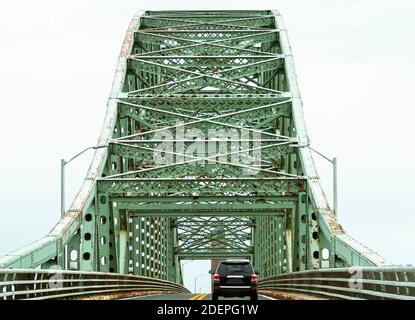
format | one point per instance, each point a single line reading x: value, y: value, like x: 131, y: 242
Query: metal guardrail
x: 59, y: 284
x: 358, y: 283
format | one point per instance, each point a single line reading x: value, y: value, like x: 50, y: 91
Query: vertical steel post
x: 196, y: 280
x: 63, y: 163
x: 335, y: 209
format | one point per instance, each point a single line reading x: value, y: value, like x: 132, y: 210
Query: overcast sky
x: 355, y: 68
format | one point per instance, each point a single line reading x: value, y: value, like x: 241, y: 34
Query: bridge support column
x: 121, y: 240
x: 313, y: 237
x: 300, y: 239
x: 73, y: 252
x: 103, y: 234
x: 166, y: 250
x: 269, y: 240
x: 171, y: 259
x: 87, y: 254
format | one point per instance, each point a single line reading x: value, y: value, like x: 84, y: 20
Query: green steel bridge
x: 203, y: 154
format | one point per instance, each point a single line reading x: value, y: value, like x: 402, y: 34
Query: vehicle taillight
x: 254, y: 277
x: 216, y: 277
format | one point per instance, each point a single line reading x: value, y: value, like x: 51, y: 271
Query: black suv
x: 234, y: 279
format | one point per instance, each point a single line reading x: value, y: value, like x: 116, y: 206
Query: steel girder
x: 182, y: 74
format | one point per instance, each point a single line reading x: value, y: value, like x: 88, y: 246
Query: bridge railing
x: 374, y: 283
x: 60, y: 284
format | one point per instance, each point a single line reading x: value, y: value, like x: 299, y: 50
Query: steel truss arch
x: 222, y: 70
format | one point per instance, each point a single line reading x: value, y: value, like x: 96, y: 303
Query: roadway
x: 199, y: 296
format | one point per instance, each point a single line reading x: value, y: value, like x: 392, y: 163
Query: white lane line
x: 268, y: 298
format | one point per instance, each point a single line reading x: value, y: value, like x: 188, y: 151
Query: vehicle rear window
x: 235, y: 268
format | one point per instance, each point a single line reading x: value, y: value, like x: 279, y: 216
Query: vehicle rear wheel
x: 215, y: 296
x: 254, y: 297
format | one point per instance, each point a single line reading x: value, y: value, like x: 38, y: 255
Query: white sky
x: 355, y: 68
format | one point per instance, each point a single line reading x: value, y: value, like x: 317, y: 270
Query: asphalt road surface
x: 199, y: 296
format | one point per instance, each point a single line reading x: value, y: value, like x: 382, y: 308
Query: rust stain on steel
x: 129, y: 36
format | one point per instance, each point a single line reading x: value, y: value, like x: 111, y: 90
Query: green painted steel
x: 353, y: 283
x: 23, y: 284
x: 157, y: 193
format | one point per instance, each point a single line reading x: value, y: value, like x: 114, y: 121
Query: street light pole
x: 334, y: 163
x: 182, y: 267
x: 63, y: 164
x: 184, y: 263
x: 196, y: 279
